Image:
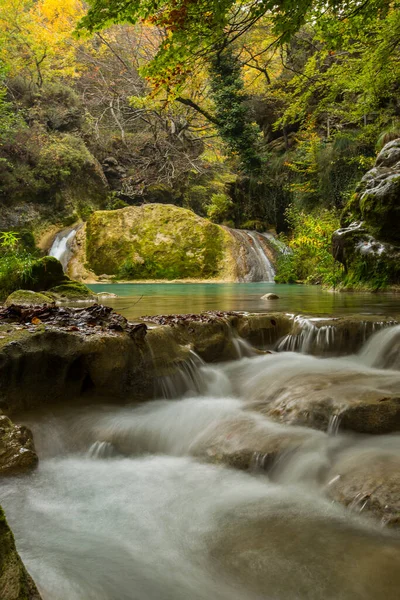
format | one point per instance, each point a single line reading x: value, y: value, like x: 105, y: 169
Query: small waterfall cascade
x: 62, y: 246
x: 276, y: 243
x: 382, y: 351
x: 226, y: 493
x: 257, y: 253
x: 321, y: 337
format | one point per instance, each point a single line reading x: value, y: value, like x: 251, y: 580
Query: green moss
x: 154, y: 241
x: 28, y: 297
x: 73, y: 290
x: 381, y: 211
x: 351, y: 211
x: 44, y: 274
x: 372, y: 273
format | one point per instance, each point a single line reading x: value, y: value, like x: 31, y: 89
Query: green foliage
x: 388, y: 135
x: 372, y: 274
x: 220, y: 208
x: 16, y: 263
x: 232, y: 112
x: 310, y: 259
x: 62, y: 156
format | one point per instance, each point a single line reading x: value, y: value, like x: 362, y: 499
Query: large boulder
x: 155, y: 241
x: 17, y: 452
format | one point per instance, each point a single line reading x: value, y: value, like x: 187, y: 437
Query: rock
x: 15, y: 581
x: 368, y: 245
x: 73, y: 291
x: 270, y: 297
x: 155, y: 241
x: 247, y: 441
x: 17, y: 451
x: 105, y: 295
x: 27, y: 298
x: 46, y: 273
x: 347, y: 397
x: 377, y: 198
x: 368, y: 481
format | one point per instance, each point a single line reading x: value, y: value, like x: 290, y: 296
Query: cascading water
x: 313, y: 335
x: 135, y: 503
x: 254, y: 262
x: 61, y: 247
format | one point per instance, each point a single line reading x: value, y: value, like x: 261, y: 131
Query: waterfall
x: 61, y: 247
x: 256, y: 255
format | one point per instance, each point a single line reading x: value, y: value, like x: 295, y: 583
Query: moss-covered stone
x: 15, y: 581
x: 45, y: 273
x: 28, y: 297
x: 377, y: 198
x: 73, y: 290
x: 155, y: 242
x: 368, y: 245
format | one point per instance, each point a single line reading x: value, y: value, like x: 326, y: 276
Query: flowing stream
x: 136, y: 503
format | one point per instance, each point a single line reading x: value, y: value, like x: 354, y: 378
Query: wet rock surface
x: 17, y: 451
x: 247, y: 442
x: 310, y: 401
x: 368, y: 483
x: 15, y: 581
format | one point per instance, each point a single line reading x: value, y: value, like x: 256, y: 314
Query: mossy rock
x: 46, y: 273
x: 73, y: 290
x: 15, y: 581
x: 28, y: 297
x: 155, y: 241
x: 380, y: 209
x: 376, y: 201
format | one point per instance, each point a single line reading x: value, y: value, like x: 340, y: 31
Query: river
x: 126, y: 505
x: 137, y: 299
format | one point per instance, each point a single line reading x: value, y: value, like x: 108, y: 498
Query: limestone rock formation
x: 368, y: 245
x: 155, y: 241
x: 165, y: 242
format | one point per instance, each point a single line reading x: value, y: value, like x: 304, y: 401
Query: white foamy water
x: 126, y: 505
x: 61, y: 247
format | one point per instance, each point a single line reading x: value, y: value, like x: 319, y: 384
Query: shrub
x: 310, y: 260
x: 220, y: 208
